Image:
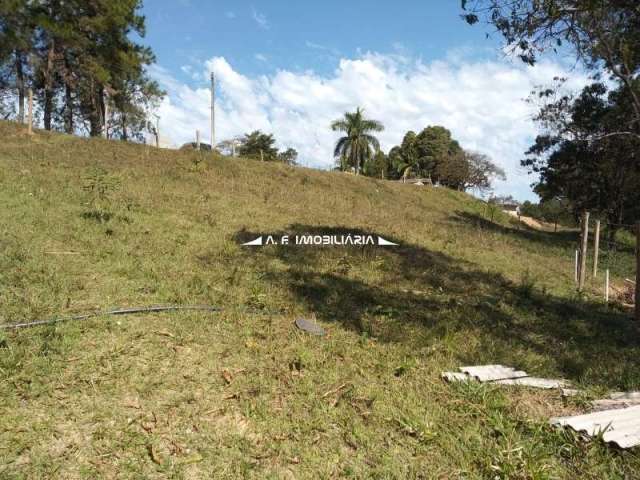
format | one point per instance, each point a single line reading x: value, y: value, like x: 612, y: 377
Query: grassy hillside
x: 242, y: 393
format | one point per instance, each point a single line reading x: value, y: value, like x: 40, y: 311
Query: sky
x: 291, y: 67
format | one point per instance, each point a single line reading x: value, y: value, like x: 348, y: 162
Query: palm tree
x: 358, y: 145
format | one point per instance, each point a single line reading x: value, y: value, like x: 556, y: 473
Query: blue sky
x: 301, y: 35
x: 290, y: 67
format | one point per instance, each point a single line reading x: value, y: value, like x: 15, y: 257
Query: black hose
x: 118, y: 311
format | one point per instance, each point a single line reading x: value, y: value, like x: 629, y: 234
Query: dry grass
x: 243, y: 393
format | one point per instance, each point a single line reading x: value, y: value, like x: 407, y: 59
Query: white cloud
x: 481, y: 102
x: 260, y: 57
x: 260, y: 19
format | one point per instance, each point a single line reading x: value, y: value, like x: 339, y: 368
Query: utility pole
x: 197, y: 139
x: 583, y: 251
x: 213, y: 110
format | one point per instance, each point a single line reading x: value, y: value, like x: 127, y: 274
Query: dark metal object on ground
x: 310, y: 327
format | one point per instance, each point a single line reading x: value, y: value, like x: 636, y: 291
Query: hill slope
x: 92, y: 224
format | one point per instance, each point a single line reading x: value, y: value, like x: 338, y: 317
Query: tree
x: 480, y: 172
x: 260, y: 146
x: 379, y: 166
x: 289, y: 156
x: 436, y: 148
x: 553, y: 211
x: 400, y: 167
x: 358, y: 145
x: 599, y: 175
x: 604, y: 35
x: 16, y: 40
x: 79, y: 56
x: 432, y: 153
x: 590, y: 154
x: 132, y: 98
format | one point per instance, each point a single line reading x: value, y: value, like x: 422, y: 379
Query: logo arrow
x: 257, y: 241
x: 382, y: 241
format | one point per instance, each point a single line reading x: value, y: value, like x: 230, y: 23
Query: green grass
x: 243, y: 393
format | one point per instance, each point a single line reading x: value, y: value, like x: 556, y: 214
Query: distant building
x: 511, y: 209
x: 421, y: 182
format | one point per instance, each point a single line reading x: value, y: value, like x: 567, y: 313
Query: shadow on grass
x: 410, y: 294
x: 563, y: 238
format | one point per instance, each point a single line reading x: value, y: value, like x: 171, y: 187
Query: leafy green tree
x: 601, y: 175
x: 436, y: 148
x: 409, y: 159
x: 553, y: 211
x: 17, y: 37
x: 359, y: 144
x: 79, y: 56
x: 590, y: 155
x: 130, y: 102
x: 432, y: 153
x: 378, y: 166
x: 260, y: 146
x: 399, y: 166
x: 289, y: 156
x: 453, y: 171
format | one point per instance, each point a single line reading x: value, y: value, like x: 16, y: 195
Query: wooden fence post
x: 638, y: 272
x: 583, y: 251
x: 197, y: 139
x: 596, y: 249
x: 30, y: 113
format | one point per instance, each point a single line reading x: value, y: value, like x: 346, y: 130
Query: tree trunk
x: 48, y: 86
x: 125, y: 135
x: 20, y: 86
x: 68, y: 109
x: 95, y: 114
x: 68, y: 98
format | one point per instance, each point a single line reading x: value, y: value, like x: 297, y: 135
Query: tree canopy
x: 262, y: 146
x: 80, y: 59
x: 589, y: 153
x: 358, y: 145
x: 579, y: 161
x: 434, y: 153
